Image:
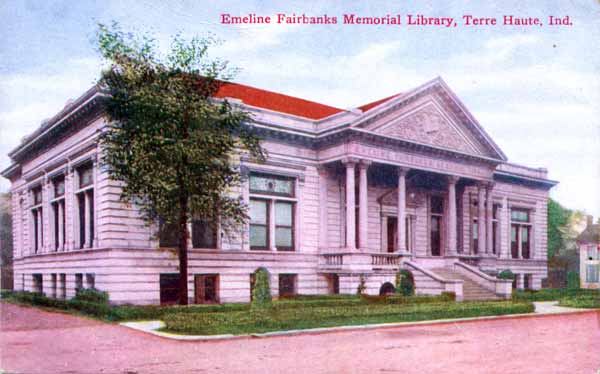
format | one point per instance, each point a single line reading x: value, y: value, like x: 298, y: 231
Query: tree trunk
x: 183, y: 258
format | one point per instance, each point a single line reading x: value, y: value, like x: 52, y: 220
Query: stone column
x: 481, y: 240
x: 350, y: 204
x: 323, y: 226
x: 363, y: 205
x: 401, y: 247
x: 452, y: 215
x: 488, y: 223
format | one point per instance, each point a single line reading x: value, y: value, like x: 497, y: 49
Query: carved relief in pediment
x: 428, y: 125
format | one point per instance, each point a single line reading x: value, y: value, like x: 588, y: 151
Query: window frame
x: 294, y: 282
x: 266, y: 225
x: 271, y: 198
x: 209, y: 222
x: 520, y: 225
x: 291, y: 227
x: 292, y: 180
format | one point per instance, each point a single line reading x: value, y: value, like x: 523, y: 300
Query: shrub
x: 552, y: 294
x: 362, y: 287
x: 407, y: 283
x: 573, y: 280
x: 582, y: 301
x: 92, y: 295
x: 261, y: 295
x: 506, y: 274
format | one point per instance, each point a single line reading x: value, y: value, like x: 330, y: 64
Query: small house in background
x: 589, y: 254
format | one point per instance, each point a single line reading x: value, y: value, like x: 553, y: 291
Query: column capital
x: 485, y: 184
x: 403, y: 170
x: 452, y: 179
x: 364, y: 164
x: 322, y: 170
x: 350, y: 161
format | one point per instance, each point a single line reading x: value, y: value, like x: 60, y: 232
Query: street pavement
x: 35, y: 341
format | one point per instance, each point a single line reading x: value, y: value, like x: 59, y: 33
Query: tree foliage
x: 558, y: 220
x: 175, y: 149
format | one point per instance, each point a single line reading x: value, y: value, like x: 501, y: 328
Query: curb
x: 151, y: 327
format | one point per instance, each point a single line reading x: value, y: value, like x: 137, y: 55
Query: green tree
x: 175, y: 149
x: 558, y: 219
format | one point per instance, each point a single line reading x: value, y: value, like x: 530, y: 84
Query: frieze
x: 442, y: 166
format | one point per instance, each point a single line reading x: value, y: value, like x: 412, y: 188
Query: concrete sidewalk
x: 541, y: 308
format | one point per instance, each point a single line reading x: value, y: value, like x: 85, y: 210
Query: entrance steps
x: 471, y: 290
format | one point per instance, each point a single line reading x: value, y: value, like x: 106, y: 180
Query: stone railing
x: 384, y: 259
x: 428, y: 282
x: 501, y: 287
x: 333, y: 259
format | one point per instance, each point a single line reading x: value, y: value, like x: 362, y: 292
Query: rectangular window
x: 284, y: 226
x: 86, y: 176
x: 90, y: 280
x: 592, y: 274
x: 334, y: 285
x: 514, y: 245
x: 81, y: 210
x: 527, y: 281
x: 272, y: 185
x: 78, y: 282
x: 204, y: 233
x: 495, y: 228
x: 53, y: 285
x: 520, y: 233
x: 38, y: 283
x: 287, y: 284
x: 85, y: 202
x: 37, y: 196
x: 37, y: 220
x: 475, y: 231
x: 259, y: 224
x: 63, y: 286
x: 206, y: 288
x: 168, y: 234
x: 269, y: 200
x: 525, y: 241
x: 59, y: 186
x: 169, y: 288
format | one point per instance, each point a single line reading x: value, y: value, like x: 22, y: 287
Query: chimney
x: 590, y: 220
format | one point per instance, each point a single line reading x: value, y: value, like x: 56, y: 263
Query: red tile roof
x: 276, y: 101
x: 373, y: 104
x: 284, y: 103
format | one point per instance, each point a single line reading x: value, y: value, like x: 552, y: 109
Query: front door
x: 206, y: 288
x: 392, y: 234
x: 436, y: 224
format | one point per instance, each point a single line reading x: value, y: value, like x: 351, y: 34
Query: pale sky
x: 535, y: 90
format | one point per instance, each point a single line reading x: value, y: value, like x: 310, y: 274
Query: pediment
x: 429, y: 124
x: 433, y: 115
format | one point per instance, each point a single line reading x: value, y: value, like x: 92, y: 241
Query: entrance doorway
x: 435, y: 227
x: 206, y: 288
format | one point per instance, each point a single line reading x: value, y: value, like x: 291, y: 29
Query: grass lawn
x: 257, y: 321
